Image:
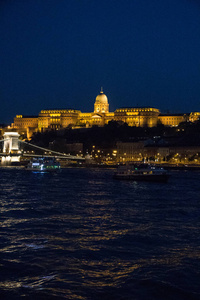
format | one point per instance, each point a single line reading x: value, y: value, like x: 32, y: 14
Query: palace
x: 62, y: 118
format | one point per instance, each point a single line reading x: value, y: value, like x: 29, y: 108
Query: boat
x: 141, y: 172
x: 43, y: 164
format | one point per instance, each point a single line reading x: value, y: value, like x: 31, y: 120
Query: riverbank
x: 114, y: 166
x: 179, y: 167
x: 165, y: 166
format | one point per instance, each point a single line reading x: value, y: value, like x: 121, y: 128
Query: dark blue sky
x: 58, y: 53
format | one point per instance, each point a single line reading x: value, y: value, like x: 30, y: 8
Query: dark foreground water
x: 82, y: 235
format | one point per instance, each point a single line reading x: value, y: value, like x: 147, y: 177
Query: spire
x: 101, y: 92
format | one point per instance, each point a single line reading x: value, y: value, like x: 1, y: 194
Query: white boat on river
x: 141, y: 172
x: 43, y: 164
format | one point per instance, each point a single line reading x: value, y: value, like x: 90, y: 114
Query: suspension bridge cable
x: 4, y: 140
x: 59, y: 153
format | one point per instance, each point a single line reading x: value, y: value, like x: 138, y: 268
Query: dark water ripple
x: 80, y: 234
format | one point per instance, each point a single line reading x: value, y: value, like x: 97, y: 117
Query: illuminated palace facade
x: 62, y: 118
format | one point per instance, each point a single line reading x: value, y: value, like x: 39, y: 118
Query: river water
x: 80, y: 234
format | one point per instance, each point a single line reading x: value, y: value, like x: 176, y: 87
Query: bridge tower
x: 11, y: 149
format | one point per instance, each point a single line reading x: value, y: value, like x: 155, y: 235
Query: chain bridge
x: 12, y: 152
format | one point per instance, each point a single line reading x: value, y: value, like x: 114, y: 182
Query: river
x: 80, y: 234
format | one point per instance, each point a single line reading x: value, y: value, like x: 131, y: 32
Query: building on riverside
x: 159, y: 153
x: 63, y: 118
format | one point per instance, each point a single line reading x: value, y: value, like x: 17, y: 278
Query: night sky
x: 58, y: 54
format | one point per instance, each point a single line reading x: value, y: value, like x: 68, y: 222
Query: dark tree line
x: 110, y: 134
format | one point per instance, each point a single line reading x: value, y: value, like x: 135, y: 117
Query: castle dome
x: 102, y: 98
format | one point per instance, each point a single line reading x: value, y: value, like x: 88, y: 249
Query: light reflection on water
x: 81, y: 235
